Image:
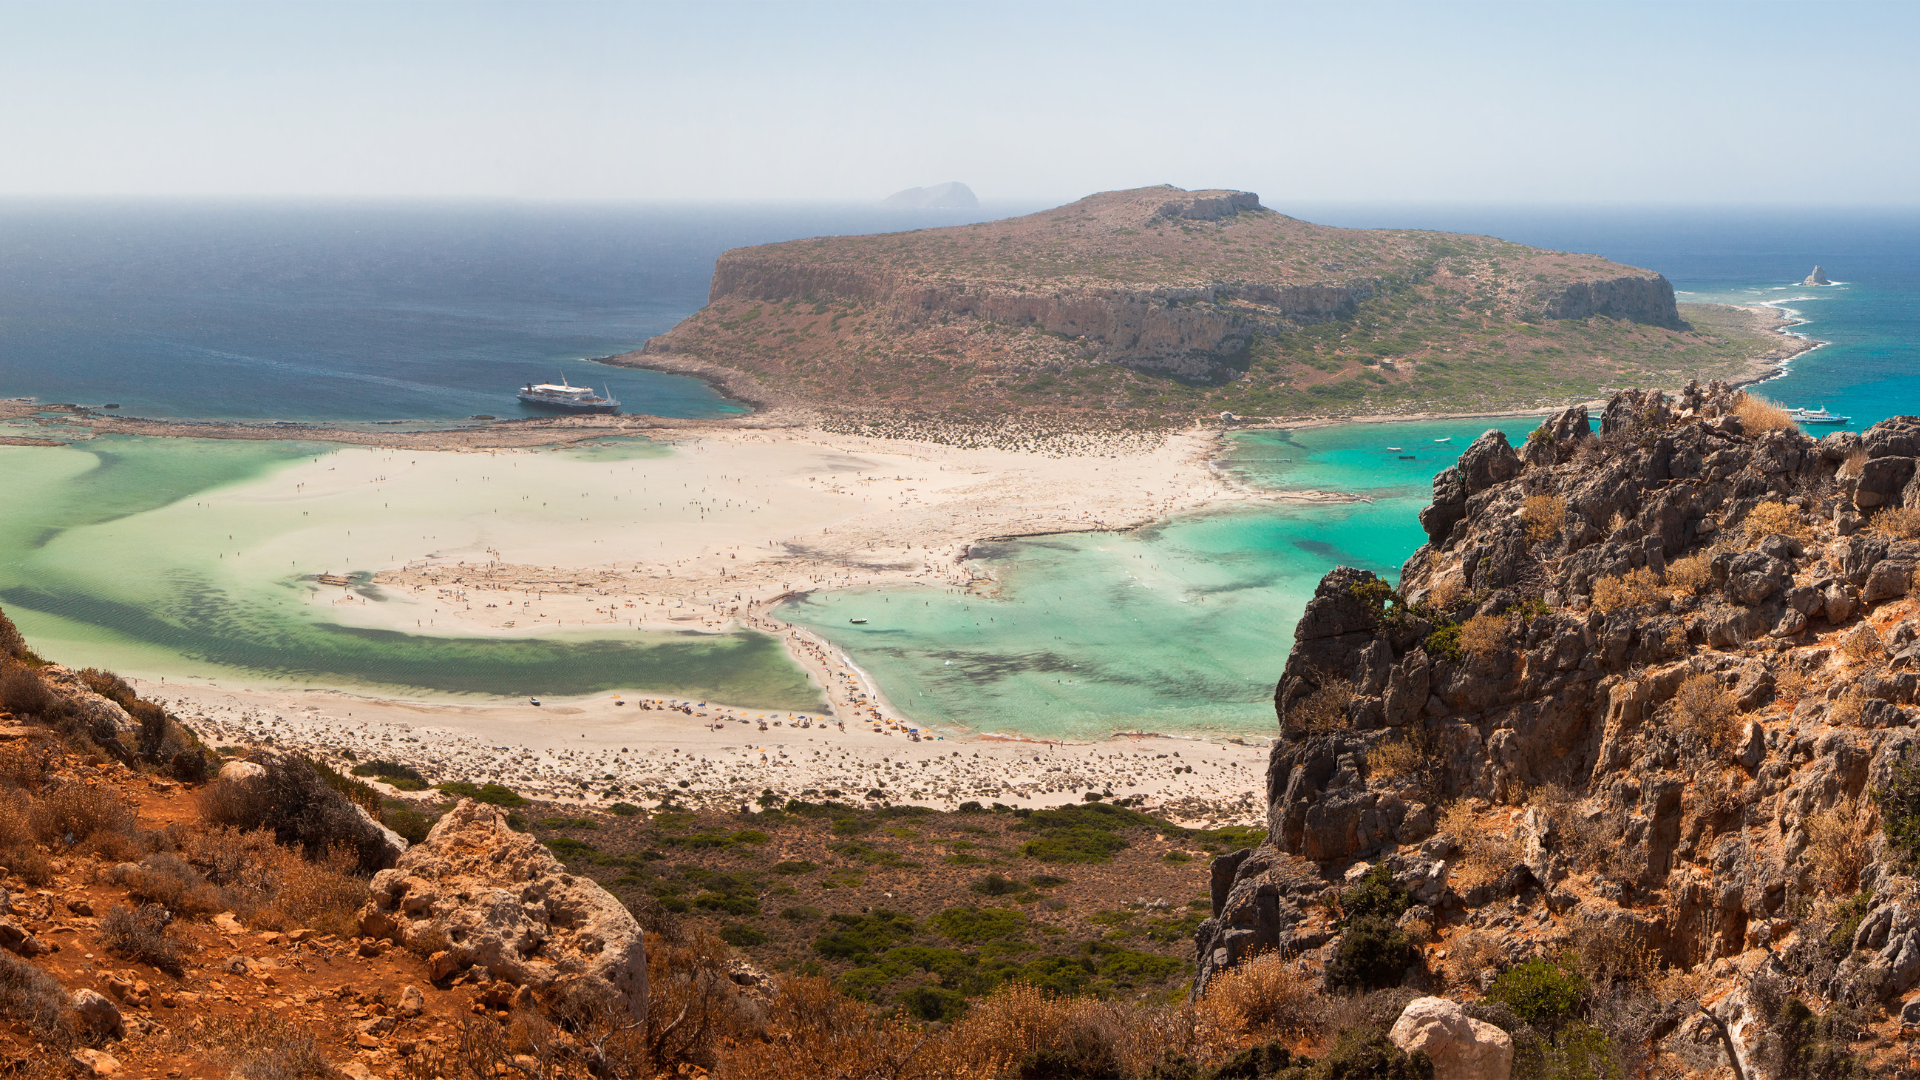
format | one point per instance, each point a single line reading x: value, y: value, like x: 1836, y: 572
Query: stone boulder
x: 1460, y: 1047
x: 106, y: 723
x: 495, y: 898
x: 98, y: 1014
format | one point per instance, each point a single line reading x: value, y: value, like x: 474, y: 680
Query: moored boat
x: 563, y: 395
x: 1816, y: 416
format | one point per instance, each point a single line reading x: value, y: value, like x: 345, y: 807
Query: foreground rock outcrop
x: 477, y: 893
x: 1650, y: 688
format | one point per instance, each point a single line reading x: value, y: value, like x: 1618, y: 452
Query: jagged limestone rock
x: 1584, y: 634
x: 489, y: 896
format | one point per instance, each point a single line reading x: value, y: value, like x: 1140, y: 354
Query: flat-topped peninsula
x: 1159, y: 304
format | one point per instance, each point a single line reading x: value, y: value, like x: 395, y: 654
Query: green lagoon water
x: 114, y: 552
x: 103, y: 561
x: 1182, y: 627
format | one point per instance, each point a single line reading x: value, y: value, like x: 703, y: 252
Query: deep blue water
x: 364, y: 311
x: 1872, y: 368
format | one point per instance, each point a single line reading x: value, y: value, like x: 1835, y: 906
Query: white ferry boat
x: 561, y: 395
x: 1816, y: 416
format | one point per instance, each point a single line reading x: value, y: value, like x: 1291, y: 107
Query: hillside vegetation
x: 1157, y: 305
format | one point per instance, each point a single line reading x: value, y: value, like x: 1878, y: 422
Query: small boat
x: 1408, y: 457
x: 1393, y: 448
x: 1816, y: 416
x: 856, y: 622
x: 533, y: 701
x: 1447, y: 439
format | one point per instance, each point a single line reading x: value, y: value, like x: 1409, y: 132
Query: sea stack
x: 1818, y: 277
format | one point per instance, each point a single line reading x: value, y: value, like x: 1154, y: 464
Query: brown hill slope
x: 1159, y: 303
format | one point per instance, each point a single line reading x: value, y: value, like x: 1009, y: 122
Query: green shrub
x: 1373, y: 954
x: 568, y: 848
x: 969, y: 925
x: 1444, y: 642
x: 623, y: 809
x: 1047, y: 881
x: 1375, y: 896
x: 802, y: 914
x: 863, y: 937
x: 1543, y: 994
x: 404, y: 777
x: 932, y: 1003
x: 412, y: 825
x: 997, y: 885
x: 1366, y: 1054
x: 795, y: 866
x: 490, y: 793
x: 742, y: 936
x: 1899, y: 804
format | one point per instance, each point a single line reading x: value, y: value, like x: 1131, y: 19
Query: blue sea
x: 368, y: 313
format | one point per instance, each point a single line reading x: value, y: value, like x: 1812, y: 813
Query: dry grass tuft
x: 1855, y: 463
x: 1687, y: 576
x: 1471, y: 952
x: 1896, y: 522
x: 1839, y: 845
x: 1445, y: 593
x: 817, y: 1031
x: 1629, y: 590
x: 1483, y: 635
x: 1863, y: 644
x: 1770, y: 518
x: 1614, y: 951
x: 1617, y: 522
x: 1846, y: 709
x: 1705, y: 710
x: 1485, y: 853
x: 35, y: 1001
x: 1758, y: 415
x: 1543, y: 515
x: 1266, y: 997
x: 1393, y: 757
x: 1323, y: 710
x: 1789, y: 684
x: 76, y: 813
x: 143, y: 936
x: 261, y: 1046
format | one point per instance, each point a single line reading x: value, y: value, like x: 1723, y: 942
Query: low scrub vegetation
x: 1896, y: 522
x: 1325, y: 709
x: 1704, y: 710
x: 1630, y: 590
x: 1757, y: 415
x: 1542, y: 516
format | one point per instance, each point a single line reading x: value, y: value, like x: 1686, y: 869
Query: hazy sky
x: 1788, y: 103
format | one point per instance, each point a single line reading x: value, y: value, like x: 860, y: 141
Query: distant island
x: 1818, y: 277
x: 1162, y: 306
x: 949, y: 196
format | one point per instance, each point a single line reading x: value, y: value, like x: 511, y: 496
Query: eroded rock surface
x: 485, y: 895
x: 1659, y: 671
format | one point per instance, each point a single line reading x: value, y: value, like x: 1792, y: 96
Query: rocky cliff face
x: 1653, y: 684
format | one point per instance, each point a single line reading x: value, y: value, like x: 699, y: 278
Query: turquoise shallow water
x: 103, y: 563
x: 1183, y: 626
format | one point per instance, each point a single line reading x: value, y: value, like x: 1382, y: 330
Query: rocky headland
x: 1157, y: 303
x: 1642, y: 708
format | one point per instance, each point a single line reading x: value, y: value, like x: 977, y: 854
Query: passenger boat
x: 856, y: 622
x: 1816, y: 416
x: 562, y: 395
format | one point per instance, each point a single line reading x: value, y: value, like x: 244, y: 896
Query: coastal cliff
x: 1643, y: 704
x: 1170, y: 303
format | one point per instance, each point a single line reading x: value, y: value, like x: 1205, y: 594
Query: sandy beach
x: 594, y: 752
